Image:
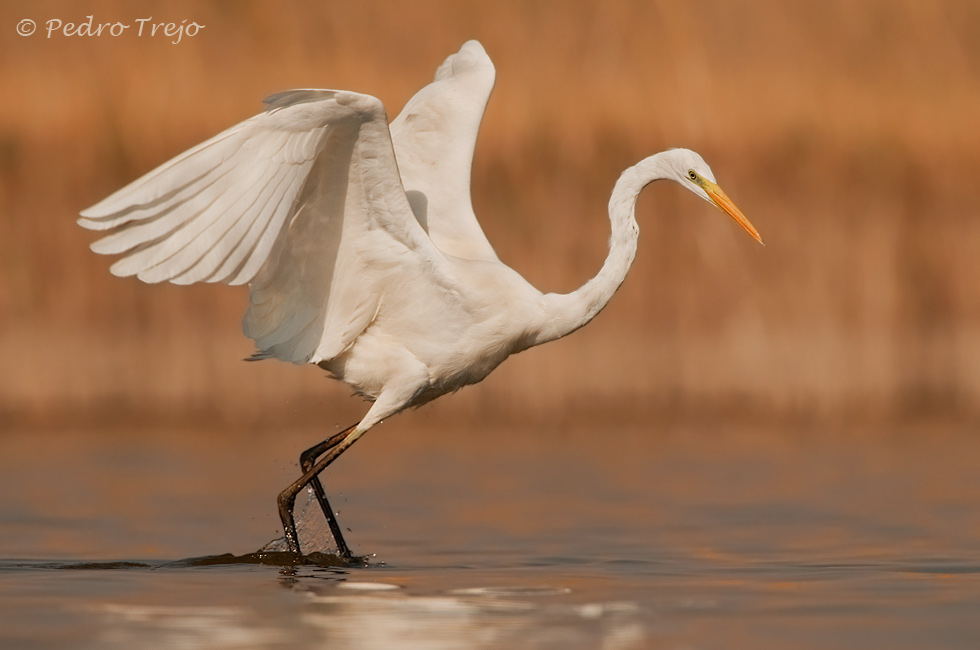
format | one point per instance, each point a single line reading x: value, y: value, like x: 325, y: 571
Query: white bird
x: 360, y: 247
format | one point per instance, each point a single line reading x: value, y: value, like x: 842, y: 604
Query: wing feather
x: 168, y: 220
x: 160, y: 186
x: 303, y: 201
x: 434, y: 138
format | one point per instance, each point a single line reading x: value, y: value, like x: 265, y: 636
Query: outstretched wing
x: 303, y: 201
x: 434, y: 139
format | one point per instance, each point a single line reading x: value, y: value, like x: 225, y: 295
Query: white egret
x: 360, y: 247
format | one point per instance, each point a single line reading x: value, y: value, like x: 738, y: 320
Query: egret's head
x: 690, y: 170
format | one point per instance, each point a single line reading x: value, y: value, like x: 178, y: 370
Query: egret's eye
x: 692, y: 174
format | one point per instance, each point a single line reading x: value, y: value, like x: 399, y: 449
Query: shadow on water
x: 271, y: 559
x: 275, y: 559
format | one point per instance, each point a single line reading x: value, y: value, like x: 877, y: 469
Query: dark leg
x: 306, y: 461
x: 331, y: 448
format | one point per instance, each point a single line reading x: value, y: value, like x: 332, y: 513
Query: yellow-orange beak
x: 721, y: 199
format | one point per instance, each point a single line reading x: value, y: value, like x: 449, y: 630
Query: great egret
x: 360, y: 247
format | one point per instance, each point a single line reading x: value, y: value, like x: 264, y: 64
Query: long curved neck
x: 565, y: 313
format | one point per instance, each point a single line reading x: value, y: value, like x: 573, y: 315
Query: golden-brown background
x: 848, y: 132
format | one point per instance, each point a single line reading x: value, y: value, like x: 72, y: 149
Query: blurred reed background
x: 848, y: 132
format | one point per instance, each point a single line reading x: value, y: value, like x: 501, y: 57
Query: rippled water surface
x: 714, y: 537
